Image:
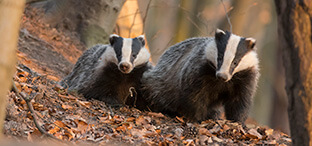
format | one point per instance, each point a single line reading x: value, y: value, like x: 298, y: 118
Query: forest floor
x: 46, y: 54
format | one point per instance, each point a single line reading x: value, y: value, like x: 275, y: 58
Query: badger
x: 197, y: 77
x: 110, y: 73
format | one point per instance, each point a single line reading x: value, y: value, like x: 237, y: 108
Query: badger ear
x: 251, y: 42
x: 219, y: 33
x: 141, y: 39
x: 112, y: 39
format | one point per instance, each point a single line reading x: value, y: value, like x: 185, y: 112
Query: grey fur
x: 105, y: 82
x: 184, y: 83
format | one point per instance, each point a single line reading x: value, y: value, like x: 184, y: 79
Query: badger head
x: 235, y: 54
x: 130, y: 52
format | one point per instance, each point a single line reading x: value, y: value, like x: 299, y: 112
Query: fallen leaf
x: 82, y: 126
x: 269, y: 132
x: 130, y: 119
x: 84, y: 103
x: 216, y: 139
x: 67, y: 107
x: 254, y: 134
x: 204, y: 131
x: 180, y: 119
x: 54, y: 130
x: 60, y: 124
x: 156, y: 115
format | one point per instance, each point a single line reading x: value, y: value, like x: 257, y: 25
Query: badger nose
x: 222, y: 76
x: 124, y: 67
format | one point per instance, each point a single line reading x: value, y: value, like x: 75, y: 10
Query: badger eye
x: 235, y: 63
x: 133, y: 56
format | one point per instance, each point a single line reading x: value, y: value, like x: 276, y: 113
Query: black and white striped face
x: 235, y: 54
x: 130, y: 52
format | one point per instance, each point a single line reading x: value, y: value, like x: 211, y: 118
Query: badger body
x: 196, y: 77
x: 110, y: 72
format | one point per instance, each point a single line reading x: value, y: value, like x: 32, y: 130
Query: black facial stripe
x: 118, y: 44
x: 240, y: 53
x: 136, y: 47
x: 221, y: 42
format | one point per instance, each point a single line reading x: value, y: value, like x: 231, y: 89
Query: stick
x: 227, y: 16
x: 145, y: 16
x: 32, y: 112
x: 136, y: 12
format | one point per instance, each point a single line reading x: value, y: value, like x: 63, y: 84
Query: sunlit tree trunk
x: 295, y: 33
x: 10, y: 15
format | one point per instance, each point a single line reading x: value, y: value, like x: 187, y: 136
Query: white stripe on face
x: 126, y: 50
x: 229, y: 55
x: 249, y: 60
x: 142, y: 57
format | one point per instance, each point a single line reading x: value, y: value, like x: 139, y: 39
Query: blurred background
x: 166, y: 22
x: 170, y: 21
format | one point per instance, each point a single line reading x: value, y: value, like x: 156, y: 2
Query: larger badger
x: 196, y: 77
x: 110, y: 72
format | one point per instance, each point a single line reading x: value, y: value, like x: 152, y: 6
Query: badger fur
x: 196, y: 77
x: 109, y: 72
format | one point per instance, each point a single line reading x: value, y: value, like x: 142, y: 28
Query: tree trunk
x: 295, y: 33
x: 10, y: 15
x: 94, y: 20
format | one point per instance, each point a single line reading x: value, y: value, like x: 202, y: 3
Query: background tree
x: 93, y: 20
x: 295, y: 33
x: 10, y: 14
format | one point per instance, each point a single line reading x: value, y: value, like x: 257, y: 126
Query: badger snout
x: 125, y: 67
x: 223, y: 76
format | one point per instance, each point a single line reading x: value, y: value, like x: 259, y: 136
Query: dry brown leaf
x: 22, y: 74
x: 58, y: 135
x: 67, y: 107
x: 158, y: 131
x: 226, y: 127
x: 203, y: 140
x: 157, y: 115
x: 215, y: 129
x: 82, y: 126
x: 60, y: 124
x: 204, y: 131
x: 18, y: 86
x: 53, y: 78
x: 69, y: 133
x: 54, y: 130
x: 84, y: 103
x: 269, y: 132
x: 121, y: 129
x: 150, y: 134
x: 33, y: 136
x: 216, y: 139
x: 130, y: 119
x: 141, y: 120
x: 180, y: 119
x: 26, y: 89
x: 254, y: 134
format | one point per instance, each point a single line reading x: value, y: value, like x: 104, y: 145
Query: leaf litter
x: 75, y: 120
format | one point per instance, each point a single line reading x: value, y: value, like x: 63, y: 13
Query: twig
x: 227, y: 16
x: 136, y: 12
x: 33, y: 114
x: 145, y: 16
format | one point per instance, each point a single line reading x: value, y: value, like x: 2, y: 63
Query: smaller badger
x: 109, y: 72
x: 196, y: 77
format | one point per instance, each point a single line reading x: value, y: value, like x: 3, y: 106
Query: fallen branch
x: 32, y: 112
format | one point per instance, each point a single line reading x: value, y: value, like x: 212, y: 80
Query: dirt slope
x: 46, y: 55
